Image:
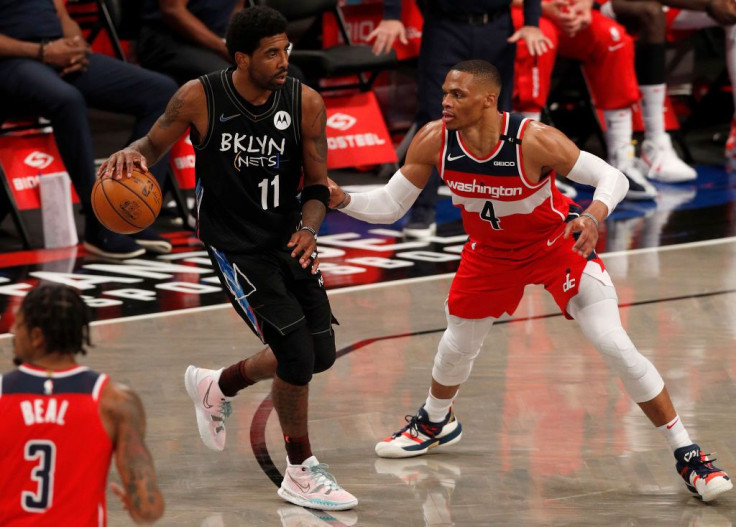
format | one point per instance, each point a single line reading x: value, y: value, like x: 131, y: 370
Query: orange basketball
x: 127, y: 205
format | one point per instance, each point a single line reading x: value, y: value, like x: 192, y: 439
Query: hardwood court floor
x: 549, y: 436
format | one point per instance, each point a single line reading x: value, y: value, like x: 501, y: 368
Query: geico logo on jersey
x: 39, y: 160
x: 504, y: 163
x: 474, y: 187
x: 185, y: 162
x: 282, y: 120
x: 351, y: 141
x: 341, y: 121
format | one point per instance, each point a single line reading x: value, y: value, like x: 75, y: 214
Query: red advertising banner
x: 24, y: 159
x: 363, y: 18
x: 356, y: 132
x: 181, y: 159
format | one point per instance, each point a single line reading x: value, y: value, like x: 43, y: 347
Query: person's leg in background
x: 35, y: 87
x: 115, y: 86
x: 647, y: 21
x: 605, y: 47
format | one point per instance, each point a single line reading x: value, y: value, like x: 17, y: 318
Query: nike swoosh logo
x: 617, y: 46
x: 206, y: 395
x: 304, y: 488
x: 224, y: 119
x: 450, y: 158
x: 550, y: 242
x: 673, y: 424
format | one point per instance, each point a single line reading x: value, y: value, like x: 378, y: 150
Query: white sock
x: 532, y: 115
x: 437, y: 408
x: 618, y: 129
x: 652, y: 110
x: 675, y: 434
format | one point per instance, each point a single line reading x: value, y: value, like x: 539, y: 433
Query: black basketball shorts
x: 272, y: 288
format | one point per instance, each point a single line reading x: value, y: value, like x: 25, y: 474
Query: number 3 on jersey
x: 43, y: 474
x: 489, y: 215
x: 264, y: 184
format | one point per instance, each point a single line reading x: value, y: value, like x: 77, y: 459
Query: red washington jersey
x: 55, y: 451
x: 500, y: 208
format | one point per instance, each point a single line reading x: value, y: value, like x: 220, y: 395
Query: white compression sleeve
x: 383, y: 205
x: 610, y: 184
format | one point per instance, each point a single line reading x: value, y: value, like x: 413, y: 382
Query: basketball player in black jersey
x: 255, y: 131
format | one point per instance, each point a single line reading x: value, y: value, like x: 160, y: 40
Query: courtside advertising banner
x: 356, y: 132
x: 25, y: 158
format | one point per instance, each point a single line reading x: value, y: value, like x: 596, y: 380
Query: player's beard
x: 268, y: 84
x: 17, y: 361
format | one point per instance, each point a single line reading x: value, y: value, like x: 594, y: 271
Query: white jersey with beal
x: 500, y: 208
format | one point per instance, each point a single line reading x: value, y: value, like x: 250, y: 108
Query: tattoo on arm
x: 173, y: 109
x: 319, y: 153
x: 135, y: 464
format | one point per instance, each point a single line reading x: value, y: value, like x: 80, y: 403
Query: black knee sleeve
x: 324, y: 351
x: 294, y: 353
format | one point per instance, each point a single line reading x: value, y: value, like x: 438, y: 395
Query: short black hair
x: 482, y: 69
x: 61, y: 315
x: 248, y: 26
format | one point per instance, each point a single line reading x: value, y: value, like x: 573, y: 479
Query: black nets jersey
x: 249, y: 167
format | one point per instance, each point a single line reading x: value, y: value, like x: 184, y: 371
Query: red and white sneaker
x: 702, y: 478
x: 310, y: 485
x: 420, y: 435
x: 663, y: 163
x: 210, y: 405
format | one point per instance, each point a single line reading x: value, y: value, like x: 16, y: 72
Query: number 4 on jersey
x: 489, y: 215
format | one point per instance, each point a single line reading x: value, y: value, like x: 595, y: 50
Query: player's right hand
x: 122, y: 162
x: 337, y: 194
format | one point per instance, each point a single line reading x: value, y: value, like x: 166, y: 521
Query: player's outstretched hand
x: 337, y: 194
x: 588, y: 238
x: 122, y: 162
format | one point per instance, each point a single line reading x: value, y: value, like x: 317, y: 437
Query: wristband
x: 589, y: 215
x: 310, y: 229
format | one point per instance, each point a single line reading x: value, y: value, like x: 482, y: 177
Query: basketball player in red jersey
x: 499, y: 168
x: 61, y: 423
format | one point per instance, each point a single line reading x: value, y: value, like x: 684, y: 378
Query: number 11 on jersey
x: 264, y: 193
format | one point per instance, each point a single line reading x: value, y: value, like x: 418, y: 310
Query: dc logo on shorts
x: 282, y: 120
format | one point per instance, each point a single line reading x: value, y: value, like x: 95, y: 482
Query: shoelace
x: 703, y: 464
x: 319, y: 471
x: 226, y: 409
x: 414, y: 427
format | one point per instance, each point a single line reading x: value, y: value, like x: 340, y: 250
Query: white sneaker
x: 663, y: 162
x: 420, y: 435
x: 310, y: 485
x: 210, y: 405
x: 639, y: 188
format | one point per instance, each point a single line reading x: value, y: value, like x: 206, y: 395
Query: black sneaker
x: 702, y: 478
x: 108, y: 244
x: 420, y: 223
x: 152, y: 241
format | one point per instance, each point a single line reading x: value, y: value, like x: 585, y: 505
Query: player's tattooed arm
x: 314, y: 137
x: 140, y: 493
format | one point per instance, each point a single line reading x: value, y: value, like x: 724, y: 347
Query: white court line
x: 420, y: 279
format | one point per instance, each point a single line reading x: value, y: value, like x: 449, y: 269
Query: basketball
x: 127, y: 205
